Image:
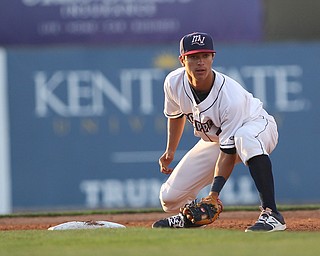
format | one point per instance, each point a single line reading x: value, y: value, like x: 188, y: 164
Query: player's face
x: 198, y: 66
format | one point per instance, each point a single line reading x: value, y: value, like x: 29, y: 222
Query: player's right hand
x: 165, y: 161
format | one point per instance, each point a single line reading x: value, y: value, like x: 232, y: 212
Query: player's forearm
x: 225, y: 165
x: 223, y: 170
x: 175, y: 129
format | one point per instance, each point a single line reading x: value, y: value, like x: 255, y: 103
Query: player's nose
x: 200, y: 61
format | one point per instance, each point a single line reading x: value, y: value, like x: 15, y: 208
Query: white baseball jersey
x: 217, y: 118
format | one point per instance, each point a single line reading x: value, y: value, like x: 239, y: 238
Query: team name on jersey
x: 198, y: 126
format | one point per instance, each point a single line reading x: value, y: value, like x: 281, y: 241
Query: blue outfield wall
x: 87, y: 129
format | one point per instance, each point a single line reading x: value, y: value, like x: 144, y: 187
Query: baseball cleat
x: 268, y: 222
x: 175, y: 221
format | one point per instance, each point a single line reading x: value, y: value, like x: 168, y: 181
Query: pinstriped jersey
x: 227, y: 107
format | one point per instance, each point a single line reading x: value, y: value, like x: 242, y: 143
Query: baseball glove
x: 203, y: 212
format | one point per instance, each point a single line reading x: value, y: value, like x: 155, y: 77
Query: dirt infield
x: 238, y: 220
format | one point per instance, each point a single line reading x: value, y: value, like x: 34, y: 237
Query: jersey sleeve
x: 171, y: 106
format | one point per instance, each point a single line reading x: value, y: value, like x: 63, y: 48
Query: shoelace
x: 264, y: 215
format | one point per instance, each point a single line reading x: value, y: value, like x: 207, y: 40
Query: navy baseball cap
x: 196, y: 42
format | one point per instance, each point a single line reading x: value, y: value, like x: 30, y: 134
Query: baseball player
x: 232, y: 126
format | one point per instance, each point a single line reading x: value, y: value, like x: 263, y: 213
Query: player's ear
x: 181, y: 58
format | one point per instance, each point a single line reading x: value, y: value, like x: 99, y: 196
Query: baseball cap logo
x: 197, y: 39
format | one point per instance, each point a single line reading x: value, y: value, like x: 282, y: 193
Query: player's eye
x: 193, y: 58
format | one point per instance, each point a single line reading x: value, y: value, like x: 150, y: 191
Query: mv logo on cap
x: 197, y: 39
x: 196, y: 42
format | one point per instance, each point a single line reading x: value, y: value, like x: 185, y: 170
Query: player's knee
x: 168, y: 200
x: 168, y: 203
x: 169, y: 207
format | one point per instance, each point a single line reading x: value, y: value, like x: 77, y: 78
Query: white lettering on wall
x: 115, y: 193
x: 79, y: 93
x: 83, y: 93
x: 139, y: 193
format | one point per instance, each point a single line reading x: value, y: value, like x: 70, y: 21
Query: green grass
x: 153, y: 242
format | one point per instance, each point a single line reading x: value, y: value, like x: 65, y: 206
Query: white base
x: 86, y: 225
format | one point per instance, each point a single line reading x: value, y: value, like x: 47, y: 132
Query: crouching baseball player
x: 233, y: 127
